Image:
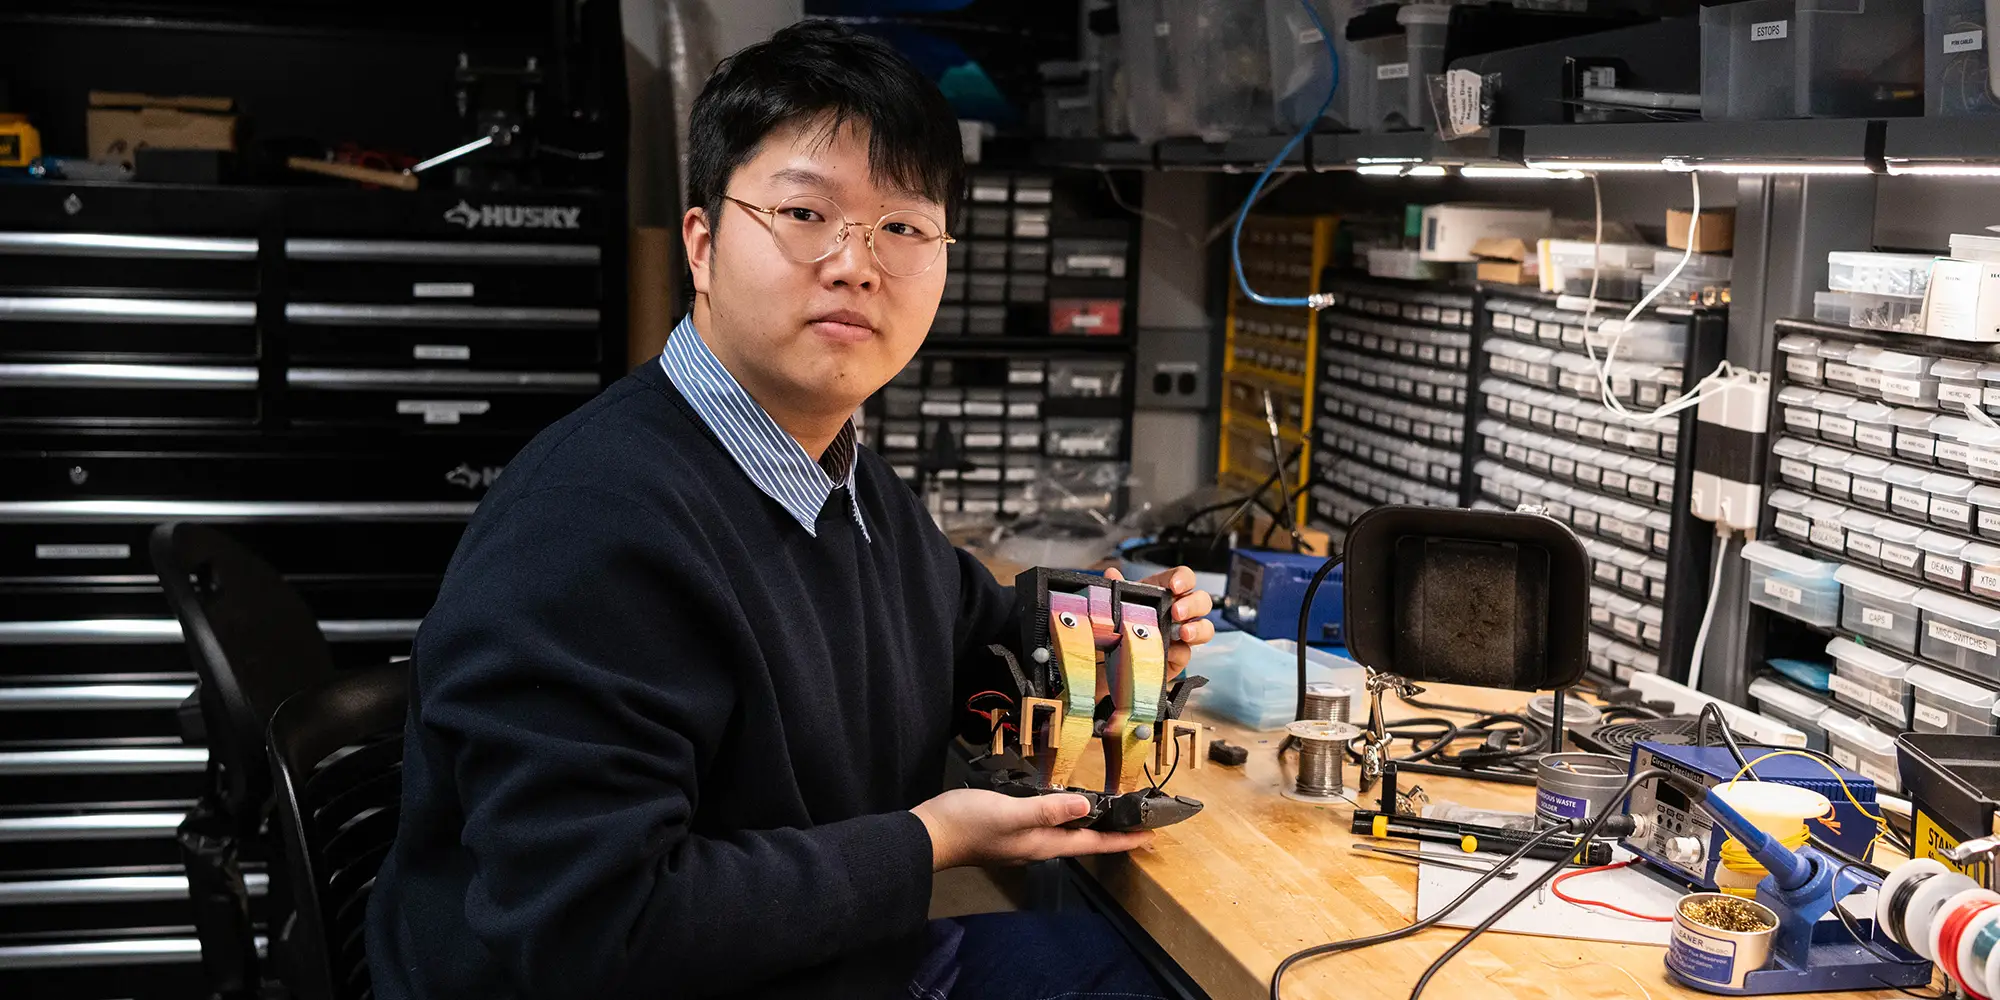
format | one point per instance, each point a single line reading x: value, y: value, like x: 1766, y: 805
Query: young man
x: 679, y: 716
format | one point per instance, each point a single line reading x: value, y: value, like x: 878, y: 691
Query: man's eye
x: 801, y: 215
x: 903, y: 229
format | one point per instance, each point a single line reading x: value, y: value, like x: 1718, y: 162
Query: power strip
x: 1729, y: 455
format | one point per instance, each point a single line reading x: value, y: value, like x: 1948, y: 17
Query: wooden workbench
x: 1256, y: 876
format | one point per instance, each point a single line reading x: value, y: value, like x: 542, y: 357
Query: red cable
x: 1556, y: 888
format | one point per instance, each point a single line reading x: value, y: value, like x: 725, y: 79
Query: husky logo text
x: 514, y: 216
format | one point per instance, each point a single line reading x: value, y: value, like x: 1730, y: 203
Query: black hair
x: 822, y: 70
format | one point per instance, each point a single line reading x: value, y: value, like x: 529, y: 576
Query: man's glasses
x: 809, y: 229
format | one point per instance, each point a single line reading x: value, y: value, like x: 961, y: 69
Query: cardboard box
x: 1717, y: 233
x: 118, y: 124
x: 1505, y: 260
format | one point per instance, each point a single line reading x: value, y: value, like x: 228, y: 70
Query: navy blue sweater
x: 662, y: 740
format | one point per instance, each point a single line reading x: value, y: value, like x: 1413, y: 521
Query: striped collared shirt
x: 773, y: 459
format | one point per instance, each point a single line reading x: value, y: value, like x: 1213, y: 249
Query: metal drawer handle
x: 367, y: 379
x: 90, y: 376
x: 90, y: 826
x: 440, y: 252
x: 93, y: 697
x: 329, y: 314
x: 81, y: 310
x: 123, y: 760
x: 151, y: 511
x: 154, y: 631
x: 112, y: 889
x: 117, y: 245
x: 98, y: 954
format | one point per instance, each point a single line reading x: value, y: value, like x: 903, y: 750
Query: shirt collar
x: 773, y: 459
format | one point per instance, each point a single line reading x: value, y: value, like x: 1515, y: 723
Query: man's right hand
x: 970, y: 826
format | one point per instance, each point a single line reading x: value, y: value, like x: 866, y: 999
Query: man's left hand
x: 1190, y: 610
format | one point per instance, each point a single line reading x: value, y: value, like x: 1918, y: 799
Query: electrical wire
x: 1317, y: 300
x: 1555, y: 889
x: 1707, y: 617
x: 1736, y: 752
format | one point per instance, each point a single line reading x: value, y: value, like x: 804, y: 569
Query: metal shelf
x: 1855, y: 142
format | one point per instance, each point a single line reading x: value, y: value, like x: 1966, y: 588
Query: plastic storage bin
x: 1789, y: 514
x: 1906, y: 379
x: 1795, y: 465
x: 1827, y: 532
x: 1951, y: 506
x: 1835, y: 425
x: 1830, y: 471
x: 1185, y: 72
x: 1944, y: 562
x: 1400, y: 57
x: 1793, y: 708
x: 1300, y: 69
x: 1796, y: 410
x: 1870, y: 681
x: 1899, y: 547
x: 1863, y: 544
x: 1867, y: 484
x: 1958, y: 384
x: 1958, y: 41
x: 1766, y: 59
x: 1878, y: 608
x: 1915, y: 441
x: 1878, y: 273
x: 1874, y: 427
x: 1835, y: 372
x: 1966, y: 447
x: 1801, y: 354
x: 1794, y: 585
x: 1896, y: 313
x: 1985, y: 510
x: 1959, y: 633
x: 1982, y: 569
x: 1861, y: 748
x: 1944, y: 704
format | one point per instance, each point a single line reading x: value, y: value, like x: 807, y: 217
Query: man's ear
x: 698, y: 242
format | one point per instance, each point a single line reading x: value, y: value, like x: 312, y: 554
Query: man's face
x: 810, y: 337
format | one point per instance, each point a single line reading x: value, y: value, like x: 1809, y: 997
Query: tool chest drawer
x: 35, y: 545
x: 153, y: 483
x: 121, y: 395
x: 461, y: 272
x: 138, y: 771
x: 79, y: 328
x: 425, y: 399
x: 61, y: 263
x: 50, y: 710
x: 455, y: 335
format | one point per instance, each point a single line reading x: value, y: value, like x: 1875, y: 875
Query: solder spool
x: 1326, y: 702
x: 1322, y: 758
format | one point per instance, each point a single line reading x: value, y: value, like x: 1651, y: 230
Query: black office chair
x: 337, y: 757
x: 253, y: 643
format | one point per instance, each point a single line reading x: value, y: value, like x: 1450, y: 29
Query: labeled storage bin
x: 1915, y: 441
x: 1958, y: 439
x: 1835, y: 372
x: 1944, y: 565
x: 1793, y: 708
x: 1827, y: 530
x: 1770, y: 59
x: 1874, y: 427
x: 1402, y: 47
x: 1301, y: 71
x: 1795, y: 465
x: 1801, y: 355
x: 1906, y: 379
x: 1944, y: 704
x: 1835, y: 425
x: 1982, y: 569
x: 1072, y: 378
x: 1899, y: 547
x: 1867, y: 377
x: 1958, y: 384
x: 1830, y: 471
x: 1907, y: 495
x: 1870, y: 681
x: 1879, y: 608
x: 1985, y: 510
x: 1178, y: 59
x: 1951, y: 506
x: 1861, y: 748
x: 1796, y: 410
x: 1070, y: 437
x: 1867, y: 482
x: 1794, y: 585
x: 1959, y: 633
x: 1864, y: 546
x: 1878, y: 273
x: 1958, y: 79
x: 1789, y: 514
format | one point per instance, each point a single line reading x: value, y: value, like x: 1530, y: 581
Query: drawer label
x: 1965, y: 41
x: 1393, y: 71
x: 1024, y: 376
x: 1627, y: 627
x: 441, y: 290
x: 1637, y: 534
x: 1802, y: 367
x: 1897, y: 555
x: 1800, y: 417
x: 1989, y: 521
x: 1962, y: 639
x: 1986, y: 581
x: 1877, y: 618
x: 1983, y: 459
x: 1870, y: 489
x: 1839, y: 427
x: 1910, y: 389
x: 1933, y: 716
x: 1948, y: 393
x: 1944, y: 566
x: 1916, y: 444
x: 1835, y: 480
x: 1784, y: 592
x: 1837, y: 372
x: 1566, y: 423
x: 1950, y: 510
x: 1844, y: 757
x: 1829, y: 537
x: 1880, y: 437
x: 1866, y: 545
x: 83, y: 551
x: 1868, y: 378
x: 1792, y: 524
x: 1916, y: 501
x: 441, y: 352
x: 443, y: 411
x: 1796, y: 468
x: 1881, y: 776
x: 1770, y: 31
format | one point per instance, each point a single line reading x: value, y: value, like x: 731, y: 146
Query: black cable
x: 1736, y: 751
x: 1588, y: 834
x: 1847, y: 921
x: 1305, y: 619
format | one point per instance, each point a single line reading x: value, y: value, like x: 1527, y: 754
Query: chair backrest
x: 253, y: 642
x: 337, y: 763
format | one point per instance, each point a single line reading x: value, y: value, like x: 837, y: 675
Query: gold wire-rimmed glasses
x: 809, y: 229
